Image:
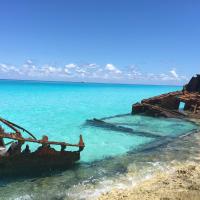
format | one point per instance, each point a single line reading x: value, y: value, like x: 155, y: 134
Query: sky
x: 117, y: 41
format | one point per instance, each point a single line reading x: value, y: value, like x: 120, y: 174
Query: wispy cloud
x: 87, y: 72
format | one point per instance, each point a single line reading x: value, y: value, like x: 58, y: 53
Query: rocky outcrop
x: 194, y: 84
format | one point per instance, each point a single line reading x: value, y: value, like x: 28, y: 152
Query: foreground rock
x: 168, y: 105
x: 183, y: 183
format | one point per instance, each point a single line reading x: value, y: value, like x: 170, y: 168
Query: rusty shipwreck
x: 183, y: 104
x: 168, y: 105
x: 16, y: 158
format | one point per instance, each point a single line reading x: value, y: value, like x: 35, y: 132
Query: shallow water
x: 60, y: 111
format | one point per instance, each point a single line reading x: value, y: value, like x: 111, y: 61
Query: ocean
x: 61, y: 110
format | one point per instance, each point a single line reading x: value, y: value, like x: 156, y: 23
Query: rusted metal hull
x: 167, y: 105
x: 36, y: 164
x: 19, y: 161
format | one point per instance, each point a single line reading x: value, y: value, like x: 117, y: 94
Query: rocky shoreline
x: 180, y: 183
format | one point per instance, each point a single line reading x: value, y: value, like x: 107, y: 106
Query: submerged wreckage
x: 169, y: 105
x: 180, y: 104
x: 14, y: 161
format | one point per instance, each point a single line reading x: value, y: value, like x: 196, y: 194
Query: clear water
x: 158, y: 127
x: 60, y: 111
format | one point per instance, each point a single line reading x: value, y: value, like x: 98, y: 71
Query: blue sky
x: 126, y: 41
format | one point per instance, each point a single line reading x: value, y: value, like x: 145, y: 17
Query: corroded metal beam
x: 15, y: 127
x: 18, y: 136
x: 42, y: 141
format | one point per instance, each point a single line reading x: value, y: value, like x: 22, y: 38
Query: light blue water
x: 59, y: 110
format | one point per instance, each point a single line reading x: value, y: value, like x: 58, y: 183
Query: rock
x: 194, y: 84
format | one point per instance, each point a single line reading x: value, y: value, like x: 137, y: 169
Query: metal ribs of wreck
x: 167, y: 105
x: 15, y: 162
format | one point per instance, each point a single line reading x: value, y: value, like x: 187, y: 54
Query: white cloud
x: 9, y: 69
x: 29, y: 61
x: 92, y: 65
x: 80, y: 70
x: 86, y: 72
x: 174, y: 74
x: 66, y: 71
x: 70, y: 66
x: 112, y: 68
x: 4, y: 68
x: 131, y: 72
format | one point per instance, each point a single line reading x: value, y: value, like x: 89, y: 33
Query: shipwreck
x: 17, y: 162
x: 183, y: 104
x: 168, y: 105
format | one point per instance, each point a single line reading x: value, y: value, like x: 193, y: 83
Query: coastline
x: 129, y: 167
x: 180, y: 182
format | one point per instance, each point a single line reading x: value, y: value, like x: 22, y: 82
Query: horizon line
x: 85, y: 82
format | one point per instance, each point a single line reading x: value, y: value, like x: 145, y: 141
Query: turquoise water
x: 60, y: 110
